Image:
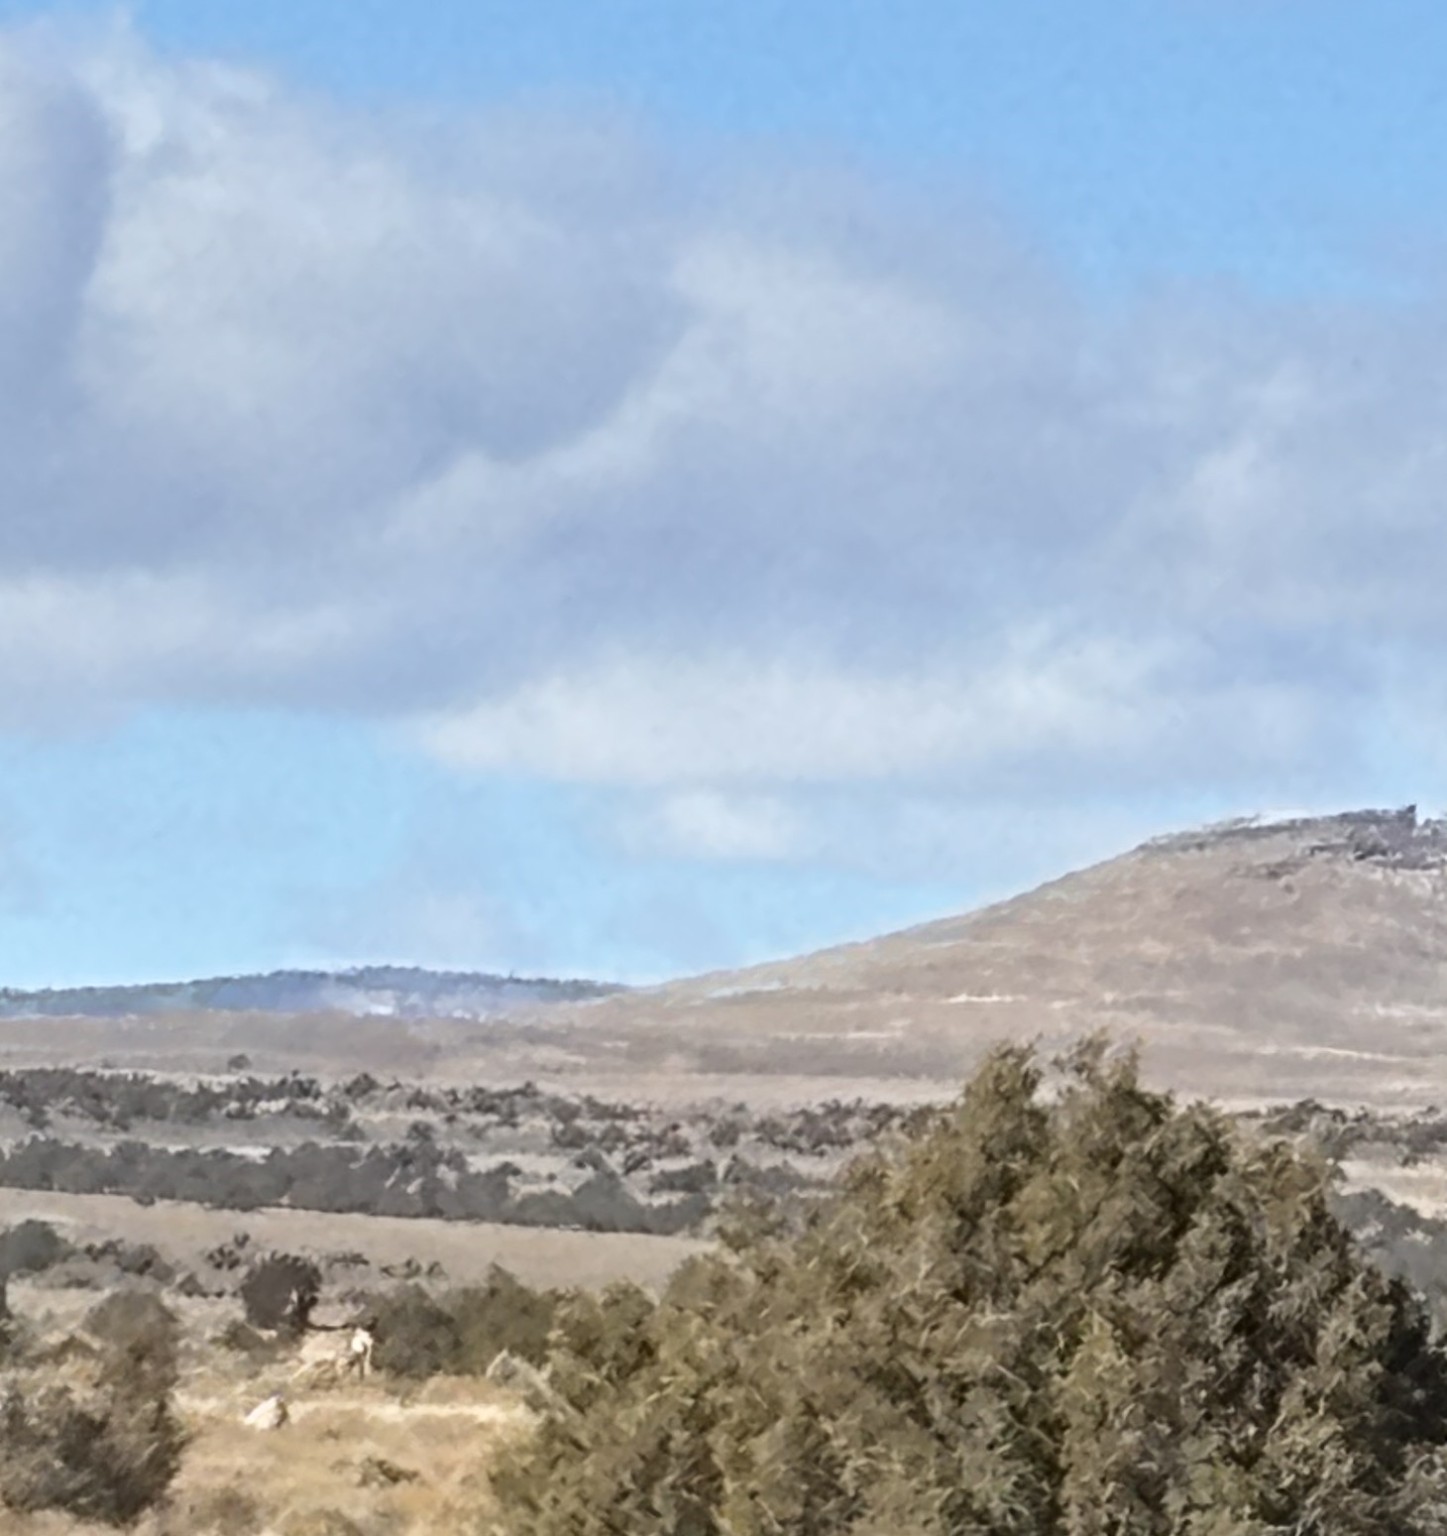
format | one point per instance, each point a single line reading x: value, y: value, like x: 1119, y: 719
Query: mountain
x: 387, y: 990
x: 1255, y: 961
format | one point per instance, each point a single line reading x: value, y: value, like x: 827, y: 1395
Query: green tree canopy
x: 1093, y: 1314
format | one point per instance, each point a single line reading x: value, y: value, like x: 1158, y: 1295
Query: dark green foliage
x: 280, y: 1291
x: 431, y: 1172
x: 460, y: 1332
x: 415, y: 1178
x: 139, y: 1261
x: 599, y: 1342
x: 1101, y: 1316
x: 1339, y: 1133
x: 416, y: 1335
x: 92, y: 1430
x: 696, y: 1179
x: 29, y: 1247
x: 100, y: 1456
x: 502, y: 1313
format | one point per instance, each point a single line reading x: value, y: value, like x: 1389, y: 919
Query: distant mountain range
x: 399, y: 991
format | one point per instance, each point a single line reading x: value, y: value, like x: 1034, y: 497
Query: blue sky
x: 1137, y: 137
x: 634, y: 488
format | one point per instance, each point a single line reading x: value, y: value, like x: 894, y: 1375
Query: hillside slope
x: 1254, y: 961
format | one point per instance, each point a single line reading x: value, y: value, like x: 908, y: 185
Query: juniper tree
x: 1102, y: 1315
x: 281, y: 1291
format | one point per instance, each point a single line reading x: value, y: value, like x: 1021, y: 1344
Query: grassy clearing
x: 380, y: 1458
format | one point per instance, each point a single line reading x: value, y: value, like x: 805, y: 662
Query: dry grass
x: 371, y: 1458
x: 326, y: 1473
x: 326, y: 1461
x: 539, y: 1256
x: 1254, y: 968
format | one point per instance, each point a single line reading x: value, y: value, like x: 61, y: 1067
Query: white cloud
x: 98, y: 644
x: 491, y: 430
x: 654, y: 721
x: 713, y: 824
x: 796, y: 337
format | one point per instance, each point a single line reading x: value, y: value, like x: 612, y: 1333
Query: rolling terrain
x: 1258, y: 964
x: 1293, y: 971
x: 1255, y: 962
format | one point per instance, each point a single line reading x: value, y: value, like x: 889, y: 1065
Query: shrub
x: 1101, y: 1314
x: 415, y: 1335
x: 231, y: 1254
x: 145, y: 1261
x: 696, y: 1179
x: 502, y: 1313
x: 141, y: 1261
x: 1401, y: 1241
x: 727, y: 1133
x: 29, y: 1247
x: 99, y: 1438
x: 460, y: 1332
x: 280, y: 1292
x: 599, y: 1342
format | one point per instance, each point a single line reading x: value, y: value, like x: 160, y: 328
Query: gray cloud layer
x: 508, y: 433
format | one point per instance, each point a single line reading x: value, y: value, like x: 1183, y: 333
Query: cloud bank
x: 560, y: 458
